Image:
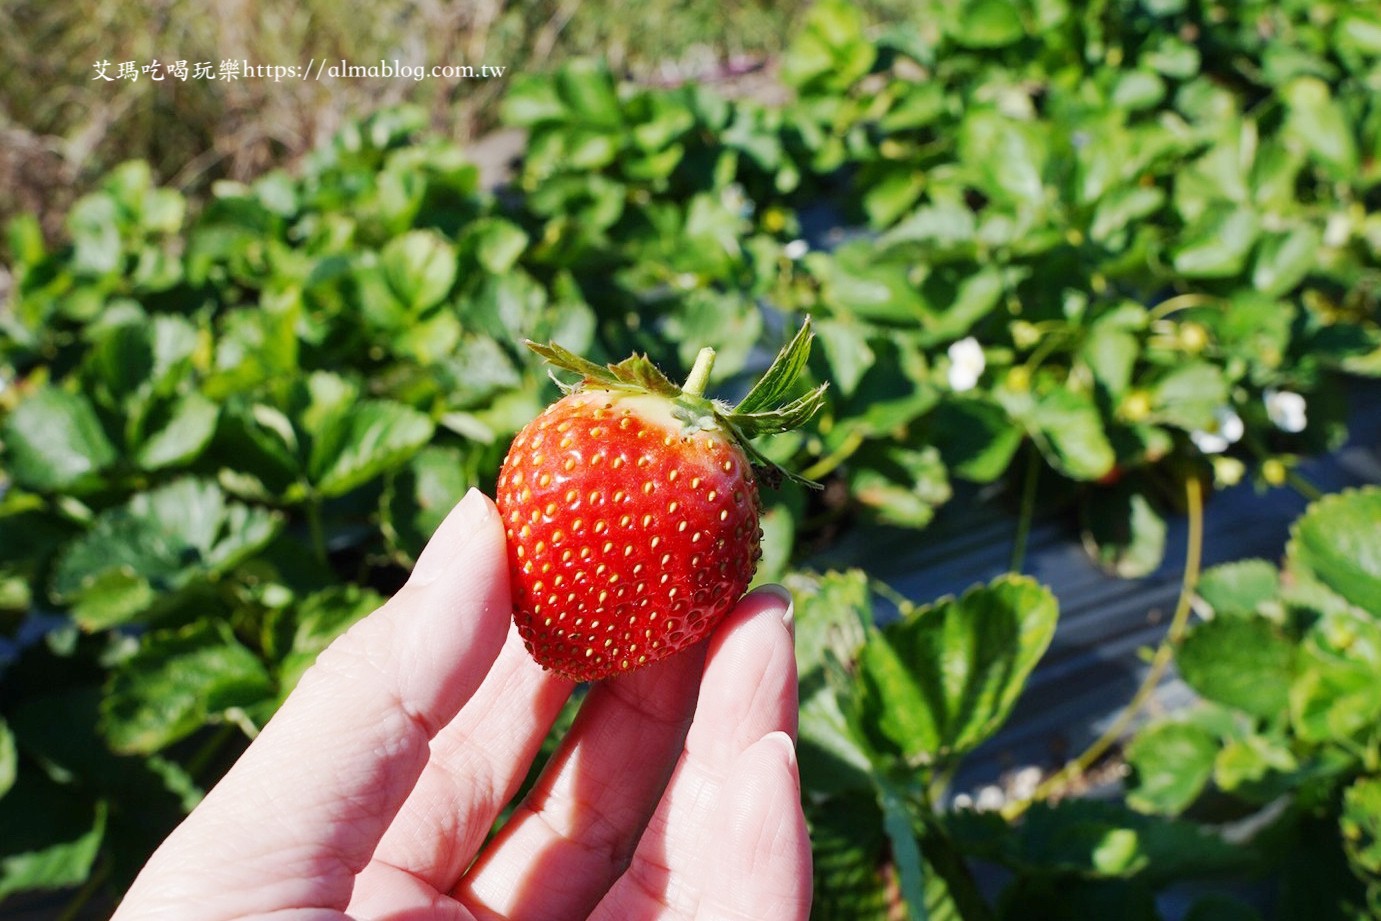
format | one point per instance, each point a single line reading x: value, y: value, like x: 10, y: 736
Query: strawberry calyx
x: 767, y: 408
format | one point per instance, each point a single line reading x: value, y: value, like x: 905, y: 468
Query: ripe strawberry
x: 632, y: 509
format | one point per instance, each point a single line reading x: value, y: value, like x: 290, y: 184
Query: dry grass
x: 60, y: 128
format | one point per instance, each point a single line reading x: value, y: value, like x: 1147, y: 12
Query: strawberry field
x: 1089, y: 264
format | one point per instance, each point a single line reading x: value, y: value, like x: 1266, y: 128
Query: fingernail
x: 780, y: 593
x: 779, y: 742
x: 450, y: 538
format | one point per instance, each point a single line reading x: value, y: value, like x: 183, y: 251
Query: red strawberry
x: 632, y: 509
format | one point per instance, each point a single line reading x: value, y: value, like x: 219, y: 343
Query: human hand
x: 374, y: 788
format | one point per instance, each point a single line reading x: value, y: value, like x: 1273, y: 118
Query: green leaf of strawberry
x: 632, y: 508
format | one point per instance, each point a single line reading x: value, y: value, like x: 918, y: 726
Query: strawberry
x: 632, y: 509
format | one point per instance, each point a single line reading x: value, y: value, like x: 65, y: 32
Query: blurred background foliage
x: 1093, y: 260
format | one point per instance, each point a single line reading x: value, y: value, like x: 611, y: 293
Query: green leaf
x: 421, y: 493
x: 358, y: 443
x: 1318, y: 122
x: 55, y: 442
x: 780, y: 523
x: 1284, y: 259
x: 944, y: 227
x: 191, y: 423
x: 1121, y: 207
x: 1218, y: 245
x: 1137, y: 89
x: 57, y: 728
x: 1101, y: 838
x: 1360, y: 31
x: 942, y: 680
x: 893, y: 195
x: 968, y: 299
x: 905, y: 850
x: 976, y: 438
x: 1071, y: 429
x: 725, y: 322
x: 176, y: 682
x: 851, y: 877
x: 499, y: 243
x: 586, y: 87
x: 9, y: 758
x: 1360, y: 824
x: 1123, y: 530
x: 1248, y: 760
x: 903, y: 486
x: 846, y: 347
x: 661, y: 120
x: 1008, y: 157
x: 317, y: 621
x: 830, y: 52
x: 986, y: 24
x: 780, y: 377
x: 420, y: 268
x: 94, y: 224
x: 256, y: 346
x: 1172, y: 761
x: 1189, y: 396
x: 111, y: 598
x: 1338, y: 668
x: 532, y: 100
x: 1239, y: 589
x: 160, y: 541
x: 52, y: 835
x: 121, y: 360
x: 833, y: 613
x: 855, y: 282
x: 1241, y: 663
x: 1338, y: 539
x: 1110, y: 354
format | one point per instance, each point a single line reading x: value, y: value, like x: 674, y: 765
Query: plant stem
x: 1183, y: 302
x: 826, y: 465
x: 1302, y: 486
x: 1028, y: 509
x: 904, y: 605
x: 700, y: 373
x: 88, y: 890
x: 946, y: 861
x: 196, y: 765
x: 314, y: 526
x: 1159, y: 663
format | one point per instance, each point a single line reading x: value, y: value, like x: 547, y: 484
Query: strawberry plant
x: 1284, y: 660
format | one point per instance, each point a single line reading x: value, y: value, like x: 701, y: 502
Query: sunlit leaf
x: 940, y: 681
x: 1339, y: 540
x: 53, y: 441
x: 176, y: 682
x: 1172, y: 762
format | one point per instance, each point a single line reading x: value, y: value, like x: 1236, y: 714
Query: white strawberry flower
x: 796, y: 250
x: 966, y: 364
x: 1226, y: 431
x: 736, y: 200
x: 1287, y: 410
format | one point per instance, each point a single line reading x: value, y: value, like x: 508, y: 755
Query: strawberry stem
x: 700, y: 373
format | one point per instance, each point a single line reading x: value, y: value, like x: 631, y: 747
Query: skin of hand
x: 373, y: 790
